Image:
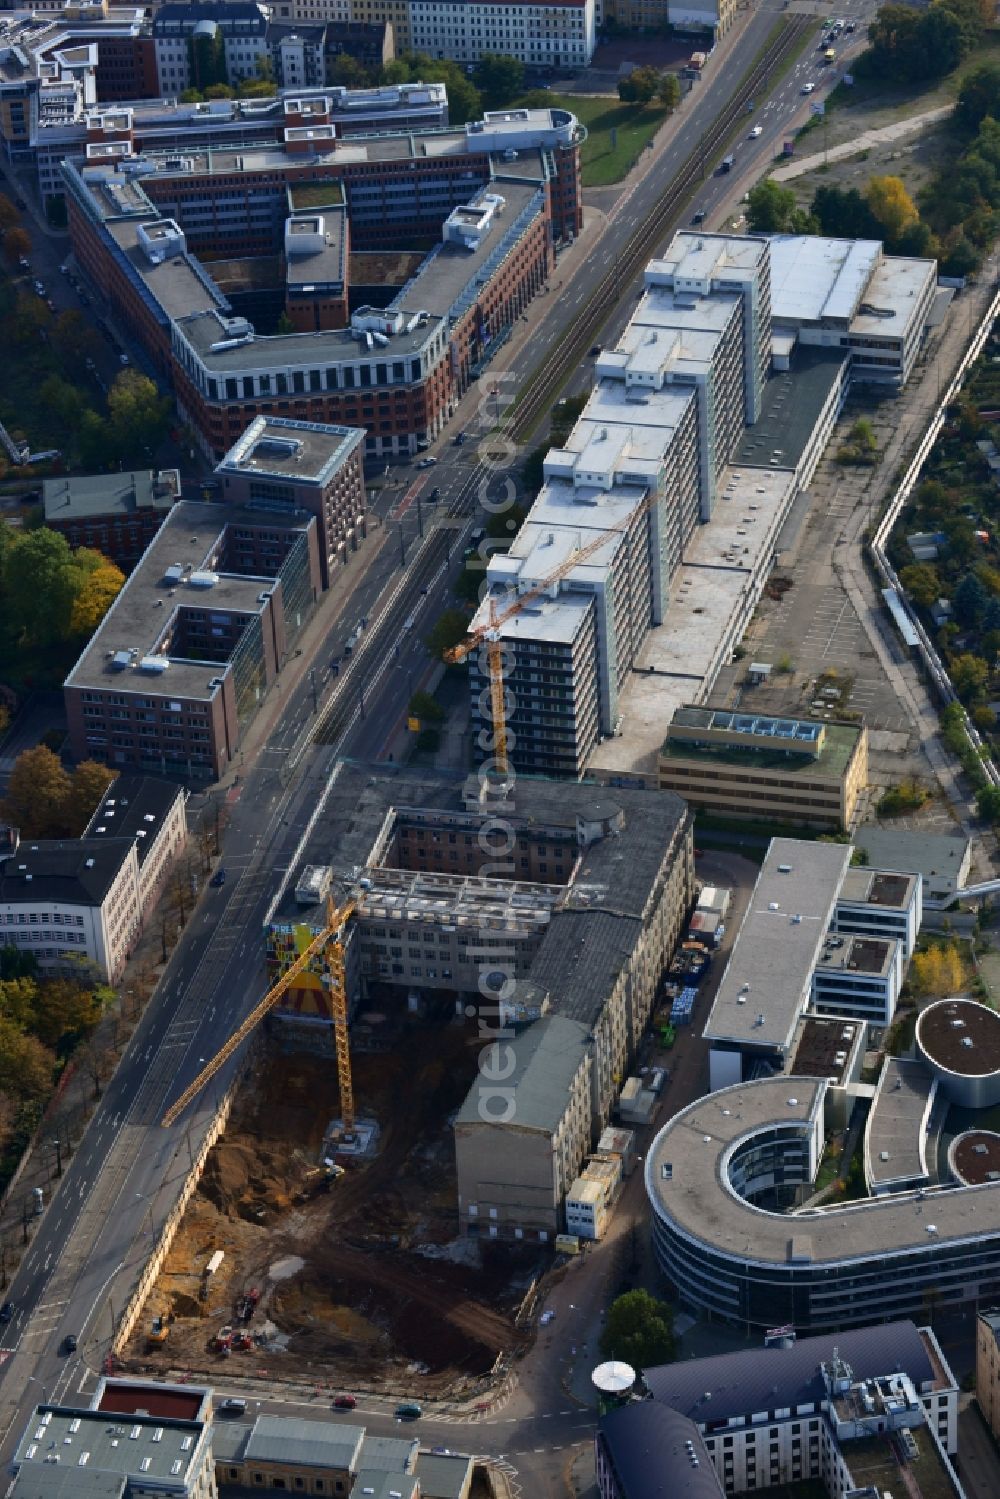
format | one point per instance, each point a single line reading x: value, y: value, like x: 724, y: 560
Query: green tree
x: 65, y: 1011
x: 449, y: 629
x: 138, y: 415
x: 640, y: 86
x: 970, y: 601
x: 843, y: 213
x: 37, y: 792
x: 969, y: 676
x: 498, y: 78
x: 19, y: 1000
x: 40, y: 581
x: 347, y: 72
x: 770, y: 208
x: 425, y: 707
x: 922, y: 583
x: 191, y: 96
x: 988, y: 803
x: 284, y: 324
x: 640, y: 1330
x: 64, y: 403
x: 979, y: 96
x: 668, y: 91
x: 26, y: 1066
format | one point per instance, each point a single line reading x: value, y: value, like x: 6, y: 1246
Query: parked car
x: 232, y: 1407
x: 344, y: 1403
x: 6, y: 1311
x: 699, y: 217
x: 124, y: 359
x: 40, y: 288
x: 218, y: 878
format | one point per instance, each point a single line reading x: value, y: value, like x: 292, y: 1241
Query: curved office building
x: 959, y: 1039
x: 721, y: 1177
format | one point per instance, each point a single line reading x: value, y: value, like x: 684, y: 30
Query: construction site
x: 352, y: 1276
x: 325, y: 1237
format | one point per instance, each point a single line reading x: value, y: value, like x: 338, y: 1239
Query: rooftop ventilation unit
x: 203, y: 580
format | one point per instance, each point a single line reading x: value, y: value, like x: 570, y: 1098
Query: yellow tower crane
x: 329, y: 942
x: 489, y: 632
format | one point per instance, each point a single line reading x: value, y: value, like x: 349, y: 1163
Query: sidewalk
x: 863, y: 142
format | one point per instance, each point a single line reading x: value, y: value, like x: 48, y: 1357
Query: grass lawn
x: 602, y: 162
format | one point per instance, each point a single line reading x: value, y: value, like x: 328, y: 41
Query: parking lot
x: 807, y: 628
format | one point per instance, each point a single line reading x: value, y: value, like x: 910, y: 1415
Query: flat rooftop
x: 821, y: 1047
x: 159, y: 1449
x: 815, y: 276
x: 896, y: 1129
x: 191, y: 537
x: 679, y: 660
x: 766, y: 983
x: 202, y: 329
x: 871, y: 955
x: 283, y: 448
x: 697, y: 1198
x: 873, y: 1462
x: 451, y: 272
x: 323, y: 266
x: 874, y: 887
x: 177, y: 284
x: 923, y: 853
x: 895, y: 290
x: 110, y: 494
x: 791, y: 407
x: 961, y: 1035
x: 975, y: 1156
x: 840, y: 740
x: 128, y: 1397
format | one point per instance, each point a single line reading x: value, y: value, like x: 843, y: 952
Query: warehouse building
x: 744, y: 764
x: 577, y: 923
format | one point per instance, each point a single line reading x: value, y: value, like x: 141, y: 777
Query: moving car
x: 6, y: 1311
x: 218, y: 878
x: 808, y: 88
x: 69, y: 1343
x: 546, y: 1318
x: 699, y: 217
x: 409, y: 1411
x: 756, y: 132
x: 435, y: 494
x: 344, y: 1403
x: 232, y: 1407
x: 427, y: 463
x: 460, y: 439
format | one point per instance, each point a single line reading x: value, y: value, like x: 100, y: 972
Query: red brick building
x: 117, y: 514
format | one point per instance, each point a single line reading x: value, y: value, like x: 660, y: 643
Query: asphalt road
x: 126, y: 1173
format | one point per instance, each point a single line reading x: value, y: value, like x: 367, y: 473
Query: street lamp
x: 143, y: 1197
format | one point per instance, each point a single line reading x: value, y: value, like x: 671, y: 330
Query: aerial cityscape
x: 500, y: 749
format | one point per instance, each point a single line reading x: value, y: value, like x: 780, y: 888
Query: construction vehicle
x: 329, y: 944
x: 247, y: 1305
x: 159, y: 1332
x: 318, y: 1179
x: 489, y: 633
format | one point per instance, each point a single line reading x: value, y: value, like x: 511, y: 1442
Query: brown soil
x: 365, y: 1307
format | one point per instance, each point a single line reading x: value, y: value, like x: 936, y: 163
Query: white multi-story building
x: 236, y: 29
x: 551, y: 34
x: 64, y: 900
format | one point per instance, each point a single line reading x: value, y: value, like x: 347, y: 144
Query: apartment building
x: 185, y: 655
x: 201, y: 42
x: 576, y: 920
x: 64, y: 900
x: 544, y: 34
x: 622, y: 500
x: 704, y: 22
x: 746, y: 764
x: 117, y: 514
x: 397, y: 371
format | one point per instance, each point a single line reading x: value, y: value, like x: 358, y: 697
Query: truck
x: 727, y: 163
